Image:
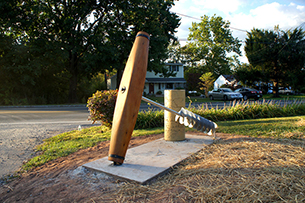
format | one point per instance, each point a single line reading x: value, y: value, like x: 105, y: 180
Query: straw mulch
x: 243, y: 170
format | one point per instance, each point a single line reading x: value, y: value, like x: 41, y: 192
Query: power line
x: 233, y: 28
x: 276, y: 42
x: 241, y: 30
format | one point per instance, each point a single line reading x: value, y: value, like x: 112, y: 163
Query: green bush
x: 159, y: 92
x: 101, y: 106
x: 251, y: 110
x: 150, y: 119
x: 239, y: 111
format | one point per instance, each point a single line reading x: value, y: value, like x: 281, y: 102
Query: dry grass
x: 301, y: 122
x: 296, y: 134
x: 232, y: 170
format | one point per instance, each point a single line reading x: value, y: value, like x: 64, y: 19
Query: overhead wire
x: 233, y: 28
x: 292, y: 28
x: 291, y: 37
x: 242, y: 30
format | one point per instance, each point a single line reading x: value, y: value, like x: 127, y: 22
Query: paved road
x: 21, y: 129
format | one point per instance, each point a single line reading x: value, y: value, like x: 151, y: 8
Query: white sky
x: 242, y: 14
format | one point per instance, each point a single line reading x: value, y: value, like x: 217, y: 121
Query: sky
x: 243, y: 15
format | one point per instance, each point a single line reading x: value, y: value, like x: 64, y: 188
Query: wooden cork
x: 173, y: 99
x: 129, y: 99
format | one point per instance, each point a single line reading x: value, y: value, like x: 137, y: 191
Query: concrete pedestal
x: 173, y: 99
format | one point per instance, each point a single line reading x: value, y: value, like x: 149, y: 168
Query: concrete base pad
x: 149, y: 160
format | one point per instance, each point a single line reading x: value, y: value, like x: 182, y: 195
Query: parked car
x: 224, y: 94
x: 249, y: 93
x: 286, y: 91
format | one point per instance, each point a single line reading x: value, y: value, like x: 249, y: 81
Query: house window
x: 159, y: 86
x: 174, y: 68
x: 169, y: 85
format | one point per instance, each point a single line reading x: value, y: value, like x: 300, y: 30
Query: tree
x: 207, y: 81
x: 278, y: 55
x: 248, y: 75
x: 211, y: 42
x: 30, y: 73
x: 94, y: 36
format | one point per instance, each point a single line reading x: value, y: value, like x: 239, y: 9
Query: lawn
x: 264, y: 164
x: 268, y: 166
x: 69, y: 142
x: 284, y: 127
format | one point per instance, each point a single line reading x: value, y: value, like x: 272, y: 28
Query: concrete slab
x: 145, y: 162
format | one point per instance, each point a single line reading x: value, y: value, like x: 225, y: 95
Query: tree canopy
x: 211, y: 42
x: 206, y: 82
x: 279, y: 55
x: 86, y: 37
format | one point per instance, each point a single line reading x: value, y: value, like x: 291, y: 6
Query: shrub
x: 246, y: 110
x: 159, y: 92
x: 101, y: 106
x: 150, y: 119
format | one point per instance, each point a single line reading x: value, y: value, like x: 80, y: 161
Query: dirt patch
x: 63, y: 180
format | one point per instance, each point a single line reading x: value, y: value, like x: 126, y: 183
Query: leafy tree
x: 192, y: 80
x: 211, y: 42
x: 92, y: 36
x: 207, y: 81
x: 278, y: 55
x: 248, y: 75
x: 29, y: 74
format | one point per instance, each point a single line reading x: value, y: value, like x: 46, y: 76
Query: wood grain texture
x: 129, y: 98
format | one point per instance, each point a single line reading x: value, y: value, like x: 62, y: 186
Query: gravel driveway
x: 17, y: 141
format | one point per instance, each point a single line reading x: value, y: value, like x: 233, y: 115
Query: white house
x: 224, y: 79
x: 155, y: 83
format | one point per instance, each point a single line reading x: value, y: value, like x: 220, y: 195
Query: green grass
x: 283, y: 97
x: 252, y: 119
x: 284, y: 127
x: 250, y: 110
x: 66, y: 143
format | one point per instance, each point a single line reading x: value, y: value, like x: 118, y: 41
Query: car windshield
x: 227, y: 90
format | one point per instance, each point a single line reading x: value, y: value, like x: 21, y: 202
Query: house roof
x: 165, y: 80
x: 230, y: 78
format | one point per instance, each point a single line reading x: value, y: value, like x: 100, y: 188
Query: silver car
x: 224, y: 94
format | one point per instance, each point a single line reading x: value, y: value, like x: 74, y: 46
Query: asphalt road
x: 21, y: 129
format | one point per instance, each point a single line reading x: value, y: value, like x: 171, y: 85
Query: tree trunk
x: 106, y: 84
x: 119, y: 76
x: 276, y: 89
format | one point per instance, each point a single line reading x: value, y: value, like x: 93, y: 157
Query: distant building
x: 155, y: 84
x: 225, y: 80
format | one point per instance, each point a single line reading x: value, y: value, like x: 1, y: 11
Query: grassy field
x: 284, y: 127
x: 67, y: 143
x: 267, y: 166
